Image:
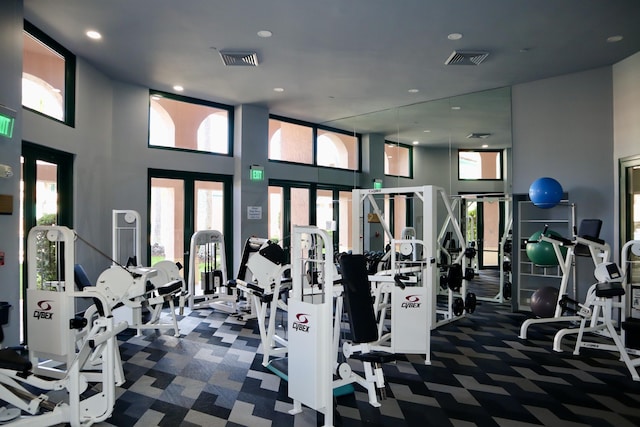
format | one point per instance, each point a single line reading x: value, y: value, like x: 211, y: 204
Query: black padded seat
x: 375, y: 357
x: 9, y: 359
x: 170, y: 287
x: 609, y: 290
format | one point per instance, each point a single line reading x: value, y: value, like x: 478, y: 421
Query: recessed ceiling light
x: 485, y: 145
x: 426, y: 131
x: 178, y: 88
x: 278, y: 89
x: 455, y: 108
x: 413, y: 90
x: 416, y: 142
x: 614, y: 39
x: 454, y: 36
x: 265, y: 34
x: 93, y: 34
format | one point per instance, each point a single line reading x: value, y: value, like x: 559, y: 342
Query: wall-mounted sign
x: 7, y: 120
x: 256, y: 173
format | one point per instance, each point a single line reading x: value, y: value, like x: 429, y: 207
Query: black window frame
x: 500, y: 153
x: 410, y: 148
x: 314, y: 128
x: 187, y: 99
x: 69, y: 75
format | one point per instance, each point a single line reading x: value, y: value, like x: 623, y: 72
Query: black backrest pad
x: 357, y: 298
x: 589, y: 229
x: 80, y: 277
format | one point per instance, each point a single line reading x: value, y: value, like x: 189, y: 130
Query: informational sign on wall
x: 254, y: 212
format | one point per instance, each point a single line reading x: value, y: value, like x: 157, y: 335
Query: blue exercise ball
x: 545, y: 192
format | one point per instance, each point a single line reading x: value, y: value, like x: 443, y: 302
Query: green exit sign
x: 7, y: 120
x: 256, y: 173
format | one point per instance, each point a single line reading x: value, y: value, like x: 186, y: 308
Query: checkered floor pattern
x: 481, y: 374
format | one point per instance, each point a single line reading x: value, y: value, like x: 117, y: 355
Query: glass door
x: 483, y: 227
x: 630, y: 212
x: 290, y: 203
x: 489, y: 233
x: 183, y: 203
x: 46, y: 197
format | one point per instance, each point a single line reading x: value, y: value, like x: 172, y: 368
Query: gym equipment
x: 314, y: 332
x: 606, y: 298
x: 545, y: 192
x: 599, y: 252
x: 471, y: 266
x: 262, y: 276
x: 544, y: 301
x: 541, y: 252
x: 429, y: 202
x: 69, y: 356
x: 166, y: 286
x: 208, y: 267
x: 507, y: 290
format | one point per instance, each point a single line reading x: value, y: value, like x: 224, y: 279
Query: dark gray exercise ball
x: 544, y: 301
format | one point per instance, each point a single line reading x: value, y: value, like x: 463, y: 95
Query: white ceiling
x: 338, y: 60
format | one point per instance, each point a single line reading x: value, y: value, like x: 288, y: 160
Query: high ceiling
x: 339, y: 60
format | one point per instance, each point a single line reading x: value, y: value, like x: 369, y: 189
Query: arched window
x: 48, y: 76
x: 184, y: 123
x: 291, y: 141
x: 40, y: 96
x: 275, y: 145
x: 162, y: 131
x: 332, y: 152
x: 212, y: 133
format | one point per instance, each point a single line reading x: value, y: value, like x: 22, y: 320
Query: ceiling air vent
x: 466, y: 58
x: 239, y: 59
x: 478, y: 135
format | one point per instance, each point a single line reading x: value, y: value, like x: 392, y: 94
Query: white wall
x: 626, y: 107
x: 11, y: 97
x: 563, y: 128
x: 90, y: 142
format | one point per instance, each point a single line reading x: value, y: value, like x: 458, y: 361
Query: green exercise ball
x: 542, y: 253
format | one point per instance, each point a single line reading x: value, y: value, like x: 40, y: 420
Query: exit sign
x: 256, y: 173
x: 7, y: 120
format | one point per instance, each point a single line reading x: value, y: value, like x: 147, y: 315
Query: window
x: 398, y: 160
x: 48, y: 76
x: 295, y: 141
x: 337, y: 150
x: 189, y: 124
x: 480, y: 164
x: 297, y: 203
x: 290, y: 142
